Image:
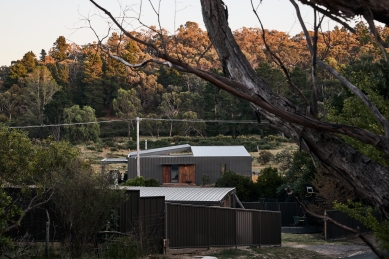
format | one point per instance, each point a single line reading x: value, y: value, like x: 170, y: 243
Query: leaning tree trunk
x: 368, y: 179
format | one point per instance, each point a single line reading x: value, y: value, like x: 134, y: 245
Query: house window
x: 174, y: 174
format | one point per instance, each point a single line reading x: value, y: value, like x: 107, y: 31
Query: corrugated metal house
x: 204, y: 196
x: 185, y: 163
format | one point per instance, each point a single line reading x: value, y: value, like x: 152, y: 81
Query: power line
x: 150, y: 119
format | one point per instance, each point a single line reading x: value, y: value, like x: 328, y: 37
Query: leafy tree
x: 59, y: 51
x: 245, y: 188
x: 42, y: 55
x: 268, y: 182
x: 54, y: 112
x: 24, y: 164
x: 85, y: 202
x: 127, y: 106
x: 17, y: 71
x: 81, y: 132
x: 265, y: 157
x: 92, y: 83
x: 368, y: 217
x: 29, y: 61
x: 300, y: 173
x: 40, y: 87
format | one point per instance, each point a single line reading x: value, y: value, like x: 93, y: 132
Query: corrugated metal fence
x: 199, y: 226
x: 288, y: 210
x: 332, y: 231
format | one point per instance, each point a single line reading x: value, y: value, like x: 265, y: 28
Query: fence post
x: 209, y: 227
x: 47, y: 234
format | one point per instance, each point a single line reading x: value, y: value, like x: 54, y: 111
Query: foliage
x: 283, y: 159
x: 8, y: 212
x: 82, y: 132
x: 328, y: 190
x: 141, y: 181
x: 300, y: 174
x: 268, y: 182
x: 84, y: 201
x: 264, y: 157
x: 23, y: 164
x: 245, y: 188
x: 368, y: 217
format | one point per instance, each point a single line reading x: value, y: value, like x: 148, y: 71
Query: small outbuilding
x: 204, y: 196
x: 190, y: 164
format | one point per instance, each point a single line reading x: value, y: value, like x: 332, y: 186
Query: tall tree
x: 127, y: 106
x: 60, y: 49
x: 41, y: 87
x: 368, y: 178
x: 81, y: 132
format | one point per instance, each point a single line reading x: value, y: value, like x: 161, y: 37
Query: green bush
x: 152, y: 182
x: 245, y: 188
x: 141, y: 181
x: 265, y: 157
x: 268, y: 182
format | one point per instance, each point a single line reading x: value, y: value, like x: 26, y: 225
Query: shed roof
x: 185, y: 194
x: 213, y: 151
x: 197, y: 151
x: 115, y: 160
x: 161, y: 151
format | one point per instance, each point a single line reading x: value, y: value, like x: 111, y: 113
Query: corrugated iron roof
x: 114, y: 160
x: 184, y: 194
x: 199, y: 151
x: 161, y: 151
x: 225, y: 151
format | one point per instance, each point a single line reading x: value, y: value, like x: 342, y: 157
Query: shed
x: 190, y: 164
x: 205, y: 196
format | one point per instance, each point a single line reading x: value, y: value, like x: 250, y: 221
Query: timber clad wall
x: 199, y: 226
x: 152, y: 167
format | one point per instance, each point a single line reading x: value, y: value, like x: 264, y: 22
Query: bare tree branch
x: 368, y: 103
x: 279, y: 61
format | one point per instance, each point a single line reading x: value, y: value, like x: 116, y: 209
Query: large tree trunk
x: 369, y: 180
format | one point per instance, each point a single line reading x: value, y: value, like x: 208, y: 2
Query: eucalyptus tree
x: 320, y: 138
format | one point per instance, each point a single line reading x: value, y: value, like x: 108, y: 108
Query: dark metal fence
x: 332, y: 231
x: 288, y: 210
x: 200, y: 226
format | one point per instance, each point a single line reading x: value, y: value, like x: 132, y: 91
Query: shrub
x: 152, y: 182
x: 245, y: 188
x: 268, y: 182
x: 141, y: 181
x: 265, y: 157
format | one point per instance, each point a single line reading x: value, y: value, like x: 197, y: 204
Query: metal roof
x: 161, y: 151
x: 114, y: 160
x: 225, y: 151
x: 199, y: 151
x: 184, y: 194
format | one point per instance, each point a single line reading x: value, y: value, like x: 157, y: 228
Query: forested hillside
x: 71, y: 83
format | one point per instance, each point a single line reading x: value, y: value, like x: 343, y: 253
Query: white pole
x: 137, y: 148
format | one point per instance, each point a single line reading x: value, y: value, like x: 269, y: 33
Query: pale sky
x: 33, y: 25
